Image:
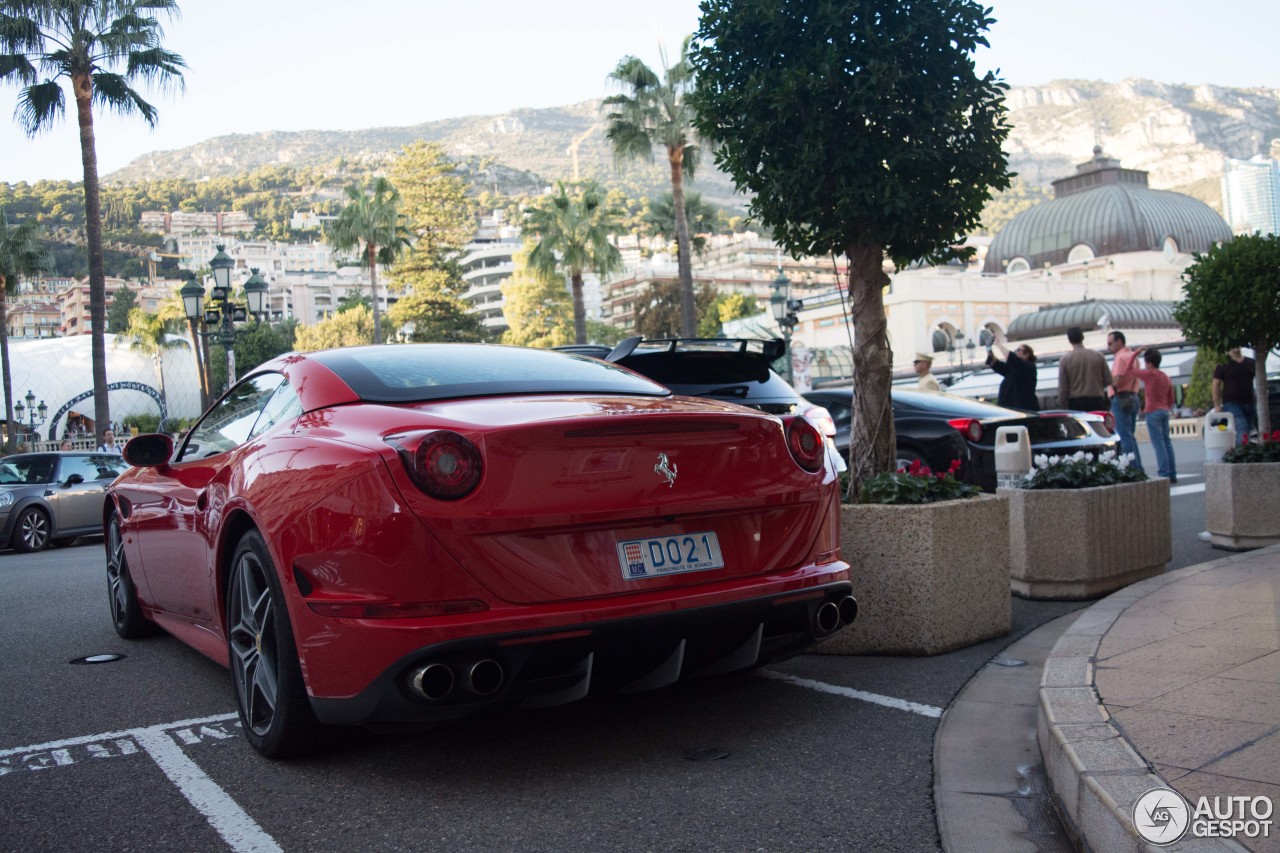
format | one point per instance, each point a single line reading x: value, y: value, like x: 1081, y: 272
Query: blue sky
x: 317, y: 64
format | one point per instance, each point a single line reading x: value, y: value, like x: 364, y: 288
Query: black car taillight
x: 805, y: 442
x: 971, y: 428
x: 441, y: 462
x: 1108, y: 420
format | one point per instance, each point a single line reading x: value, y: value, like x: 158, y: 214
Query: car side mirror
x: 152, y: 450
x: 73, y: 480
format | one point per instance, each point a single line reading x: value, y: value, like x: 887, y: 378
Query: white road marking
x: 850, y: 693
x: 1190, y: 488
x: 231, y: 822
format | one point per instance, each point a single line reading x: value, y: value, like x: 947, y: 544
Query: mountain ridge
x: 1179, y: 133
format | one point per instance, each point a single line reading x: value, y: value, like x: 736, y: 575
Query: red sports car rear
x: 408, y: 533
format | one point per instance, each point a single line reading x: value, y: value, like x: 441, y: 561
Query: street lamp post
x: 784, y: 310
x: 222, y: 314
x: 35, y: 415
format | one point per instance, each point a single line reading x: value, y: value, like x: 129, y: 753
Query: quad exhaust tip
x: 834, y: 615
x: 433, y: 681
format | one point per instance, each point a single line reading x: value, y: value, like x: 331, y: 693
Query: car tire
x: 31, y: 530
x: 122, y: 595
x: 905, y: 458
x: 266, y: 678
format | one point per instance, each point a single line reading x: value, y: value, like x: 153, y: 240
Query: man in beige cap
x: 923, y: 364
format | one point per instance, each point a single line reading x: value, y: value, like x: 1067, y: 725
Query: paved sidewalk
x: 1171, y: 682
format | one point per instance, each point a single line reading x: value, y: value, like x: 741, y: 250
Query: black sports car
x: 920, y: 415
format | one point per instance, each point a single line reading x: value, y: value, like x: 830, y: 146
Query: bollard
x: 1219, y: 435
x: 1013, y: 456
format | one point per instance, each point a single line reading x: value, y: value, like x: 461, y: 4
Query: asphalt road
x: 144, y: 753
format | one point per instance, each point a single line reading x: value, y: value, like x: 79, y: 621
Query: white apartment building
x: 1251, y: 195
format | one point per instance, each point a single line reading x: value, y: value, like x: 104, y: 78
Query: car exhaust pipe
x: 848, y: 608
x: 432, y: 681
x: 827, y: 619
x: 483, y: 677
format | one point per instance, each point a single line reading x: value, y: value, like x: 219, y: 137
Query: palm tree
x: 21, y: 254
x: 373, y: 224
x: 149, y: 335
x: 573, y: 236
x: 43, y: 42
x: 656, y: 112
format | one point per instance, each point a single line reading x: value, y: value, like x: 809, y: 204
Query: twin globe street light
x: 222, y: 314
x: 784, y: 310
x: 35, y: 415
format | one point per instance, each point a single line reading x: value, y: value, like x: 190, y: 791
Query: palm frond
x: 114, y: 92
x: 39, y: 105
x: 17, y: 66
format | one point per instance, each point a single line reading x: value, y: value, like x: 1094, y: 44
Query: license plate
x: 669, y: 555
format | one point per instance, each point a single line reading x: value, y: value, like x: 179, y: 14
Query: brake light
x: 971, y: 428
x: 805, y: 443
x: 1108, y: 420
x: 441, y: 462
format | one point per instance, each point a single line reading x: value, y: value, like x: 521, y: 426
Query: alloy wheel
x: 33, y: 530
x: 117, y: 574
x: 252, y: 639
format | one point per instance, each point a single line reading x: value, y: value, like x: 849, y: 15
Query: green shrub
x: 1081, y: 471
x: 1266, y: 450
x: 916, y: 485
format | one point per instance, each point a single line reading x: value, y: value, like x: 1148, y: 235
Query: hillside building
x: 1251, y: 195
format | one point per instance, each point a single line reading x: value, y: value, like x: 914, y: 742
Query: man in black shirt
x: 1233, y: 392
x: 1018, y: 388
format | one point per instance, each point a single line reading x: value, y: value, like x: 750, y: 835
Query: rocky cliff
x: 1180, y: 134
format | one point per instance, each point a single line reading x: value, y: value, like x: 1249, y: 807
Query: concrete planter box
x: 1240, y: 504
x: 1085, y: 543
x: 929, y: 578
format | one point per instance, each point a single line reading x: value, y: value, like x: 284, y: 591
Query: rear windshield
x: 404, y: 373
x: 699, y: 368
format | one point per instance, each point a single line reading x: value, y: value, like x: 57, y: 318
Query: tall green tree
x: 1232, y: 299
x: 659, y: 310
x: 860, y: 128
x: 123, y: 301
x: 572, y: 233
x: 348, y: 329
x: 726, y: 307
x: 538, y: 308
x: 21, y: 254
x: 372, y: 224
x: 434, y: 317
x: 656, y: 111
x: 101, y: 49
x: 153, y: 335
x: 440, y: 216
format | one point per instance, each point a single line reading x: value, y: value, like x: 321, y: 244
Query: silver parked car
x: 51, y: 498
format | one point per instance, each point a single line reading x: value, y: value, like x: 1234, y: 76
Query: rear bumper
x: 560, y: 664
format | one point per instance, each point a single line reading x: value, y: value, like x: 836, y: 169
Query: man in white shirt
x: 923, y: 364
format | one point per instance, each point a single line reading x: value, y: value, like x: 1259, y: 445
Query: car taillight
x: 971, y: 428
x: 1108, y: 420
x: 821, y: 418
x: 805, y: 443
x: 441, y: 462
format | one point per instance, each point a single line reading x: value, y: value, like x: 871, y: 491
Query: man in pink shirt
x: 1124, y: 395
x: 1158, y: 408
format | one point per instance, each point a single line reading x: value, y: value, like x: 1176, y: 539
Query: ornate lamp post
x: 784, y: 310
x: 221, y: 313
x: 35, y: 415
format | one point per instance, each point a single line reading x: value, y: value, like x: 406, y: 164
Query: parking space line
x: 1190, y: 488
x: 850, y: 693
x: 226, y: 817
x: 241, y: 833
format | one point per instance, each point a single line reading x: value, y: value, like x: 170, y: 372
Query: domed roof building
x: 1104, y: 209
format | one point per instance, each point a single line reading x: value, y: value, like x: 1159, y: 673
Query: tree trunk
x: 83, y: 89
x: 372, y: 252
x: 684, y: 264
x: 872, y: 441
x: 579, y: 310
x: 1260, y: 353
x: 202, y: 361
x: 11, y: 435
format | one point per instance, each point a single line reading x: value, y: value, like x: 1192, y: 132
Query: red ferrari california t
x: 409, y: 533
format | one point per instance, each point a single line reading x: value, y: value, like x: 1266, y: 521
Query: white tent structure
x: 59, y: 372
